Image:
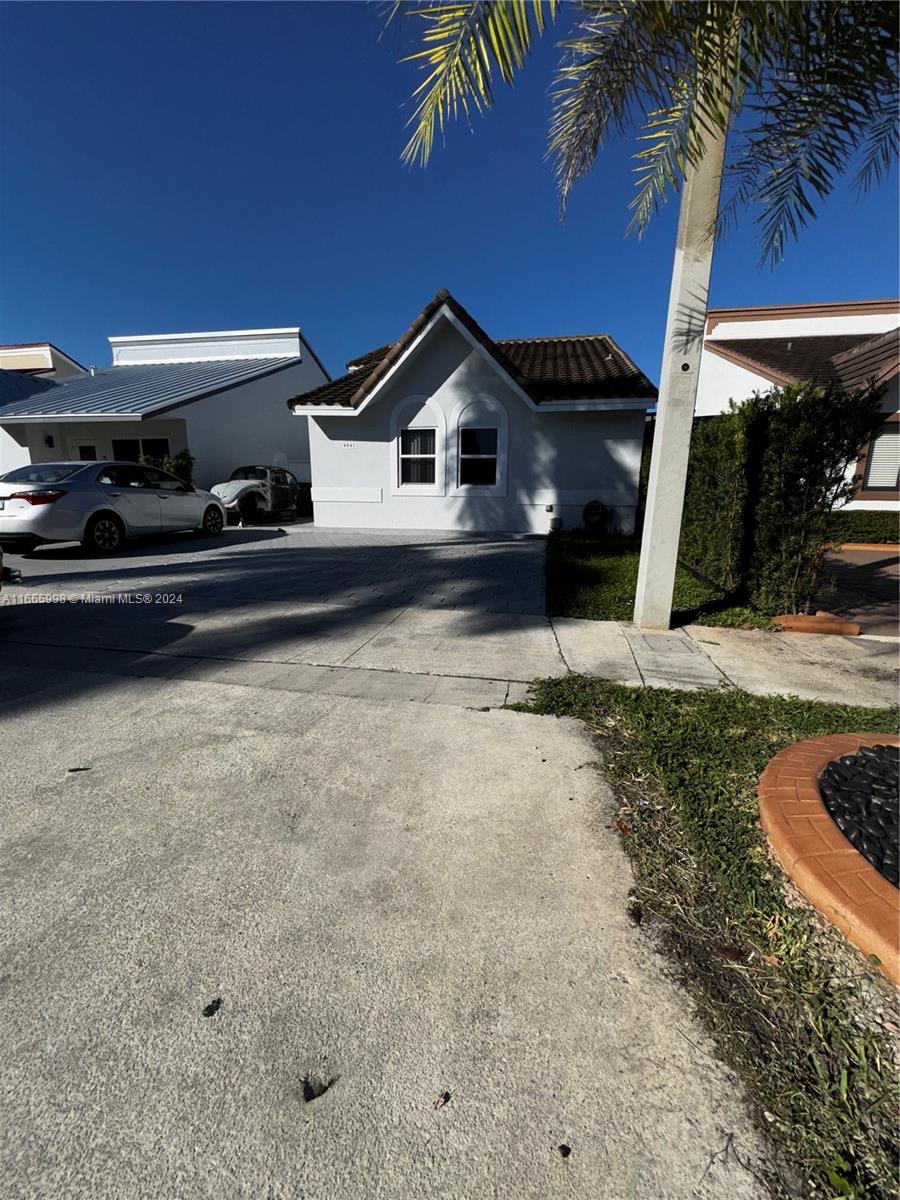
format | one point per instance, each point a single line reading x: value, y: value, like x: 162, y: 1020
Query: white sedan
x: 99, y: 504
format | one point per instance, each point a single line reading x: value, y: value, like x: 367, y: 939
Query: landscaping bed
x: 595, y: 577
x: 810, y: 1026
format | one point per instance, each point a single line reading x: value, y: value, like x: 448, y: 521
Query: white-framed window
x: 133, y: 449
x: 478, y: 449
x: 418, y: 448
x: 418, y: 457
x: 883, y: 460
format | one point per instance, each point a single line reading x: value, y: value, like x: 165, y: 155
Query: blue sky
x: 177, y: 167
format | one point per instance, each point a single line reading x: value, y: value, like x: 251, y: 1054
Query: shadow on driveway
x: 468, y: 607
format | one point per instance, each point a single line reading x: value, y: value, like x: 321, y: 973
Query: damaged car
x: 254, y: 494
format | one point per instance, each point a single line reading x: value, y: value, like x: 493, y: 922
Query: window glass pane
x: 155, y: 447
x: 123, y: 477
x: 417, y: 441
x: 126, y: 449
x: 478, y: 441
x: 163, y: 480
x: 417, y: 470
x: 884, y: 458
x: 479, y: 471
x: 40, y: 473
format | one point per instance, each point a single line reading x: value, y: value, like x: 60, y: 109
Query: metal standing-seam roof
x: 139, y: 391
x: 15, y: 385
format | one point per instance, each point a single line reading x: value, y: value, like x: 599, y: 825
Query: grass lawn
x: 595, y: 578
x: 798, y: 1013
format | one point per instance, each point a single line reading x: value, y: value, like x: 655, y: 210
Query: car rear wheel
x: 251, y: 509
x: 105, y: 534
x: 213, y: 521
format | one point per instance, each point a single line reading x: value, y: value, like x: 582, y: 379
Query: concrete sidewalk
x: 837, y: 670
x: 471, y: 657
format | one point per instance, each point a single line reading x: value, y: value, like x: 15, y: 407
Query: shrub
x: 181, y: 465
x: 763, y: 479
x: 861, y: 526
x: 812, y: 436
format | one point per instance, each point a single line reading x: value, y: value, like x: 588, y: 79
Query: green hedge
x: 860, y: 526
x: 763, y: 479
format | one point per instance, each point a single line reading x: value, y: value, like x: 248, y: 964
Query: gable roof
x: 545, y: 369
x: 852, y: 359
x: 877, y: 358
x: 137, y: 392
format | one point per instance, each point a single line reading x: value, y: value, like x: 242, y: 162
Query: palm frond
x: 630, y: 57
x: 879, y: 151
x: 463, y: 45
x: 662, y: 164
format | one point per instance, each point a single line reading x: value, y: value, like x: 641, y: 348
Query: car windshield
x: 249, y: 473
x: 42, y: 473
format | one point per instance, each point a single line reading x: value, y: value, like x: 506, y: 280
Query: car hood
x: 235, y: 488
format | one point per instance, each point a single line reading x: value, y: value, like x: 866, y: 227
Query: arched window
x: 418, y: 448
x: 480, y: 449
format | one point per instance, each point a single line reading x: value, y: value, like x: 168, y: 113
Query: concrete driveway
x: 422, y: 906
x: 403, y: 909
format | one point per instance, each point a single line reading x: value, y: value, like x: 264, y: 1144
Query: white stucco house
x: 221, y: 396
x: 749, y: 350
x: 448, y: 429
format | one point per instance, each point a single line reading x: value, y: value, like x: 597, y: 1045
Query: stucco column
x: 678, y: 388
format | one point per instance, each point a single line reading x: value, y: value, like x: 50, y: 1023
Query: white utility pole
x: 685, y: 327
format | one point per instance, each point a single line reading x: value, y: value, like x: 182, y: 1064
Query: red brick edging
x: 832, y: 875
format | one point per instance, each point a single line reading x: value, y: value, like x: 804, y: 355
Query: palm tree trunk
x: 685, y: 327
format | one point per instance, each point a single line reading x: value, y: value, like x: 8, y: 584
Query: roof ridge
x: 556, y: 337
x: 888, y: 336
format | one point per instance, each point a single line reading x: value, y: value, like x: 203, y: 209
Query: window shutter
x: 884, y: 458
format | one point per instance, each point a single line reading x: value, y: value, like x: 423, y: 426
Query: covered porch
x: 54, y: 439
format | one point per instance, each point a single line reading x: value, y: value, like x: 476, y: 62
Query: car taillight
x: 47, y: 496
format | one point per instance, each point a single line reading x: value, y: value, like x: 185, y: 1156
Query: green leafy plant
x: 791, y: 1006
x: 763, y: 480
x: 594, y: 577
x: 181, y: 465
x: 857, y: 525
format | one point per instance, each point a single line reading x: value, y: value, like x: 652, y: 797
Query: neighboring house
x: 221, y: 396
x: 448, y: 429
x: 24, y: 367
x: 39, y: 358
x: 749, y: 350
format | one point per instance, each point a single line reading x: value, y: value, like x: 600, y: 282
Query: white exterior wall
x: 67, y: 435
x: 13, y: 452
x: 549, y: 465
x: 196, y: 347
x: 720, y: 381
x: 251, y: 424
